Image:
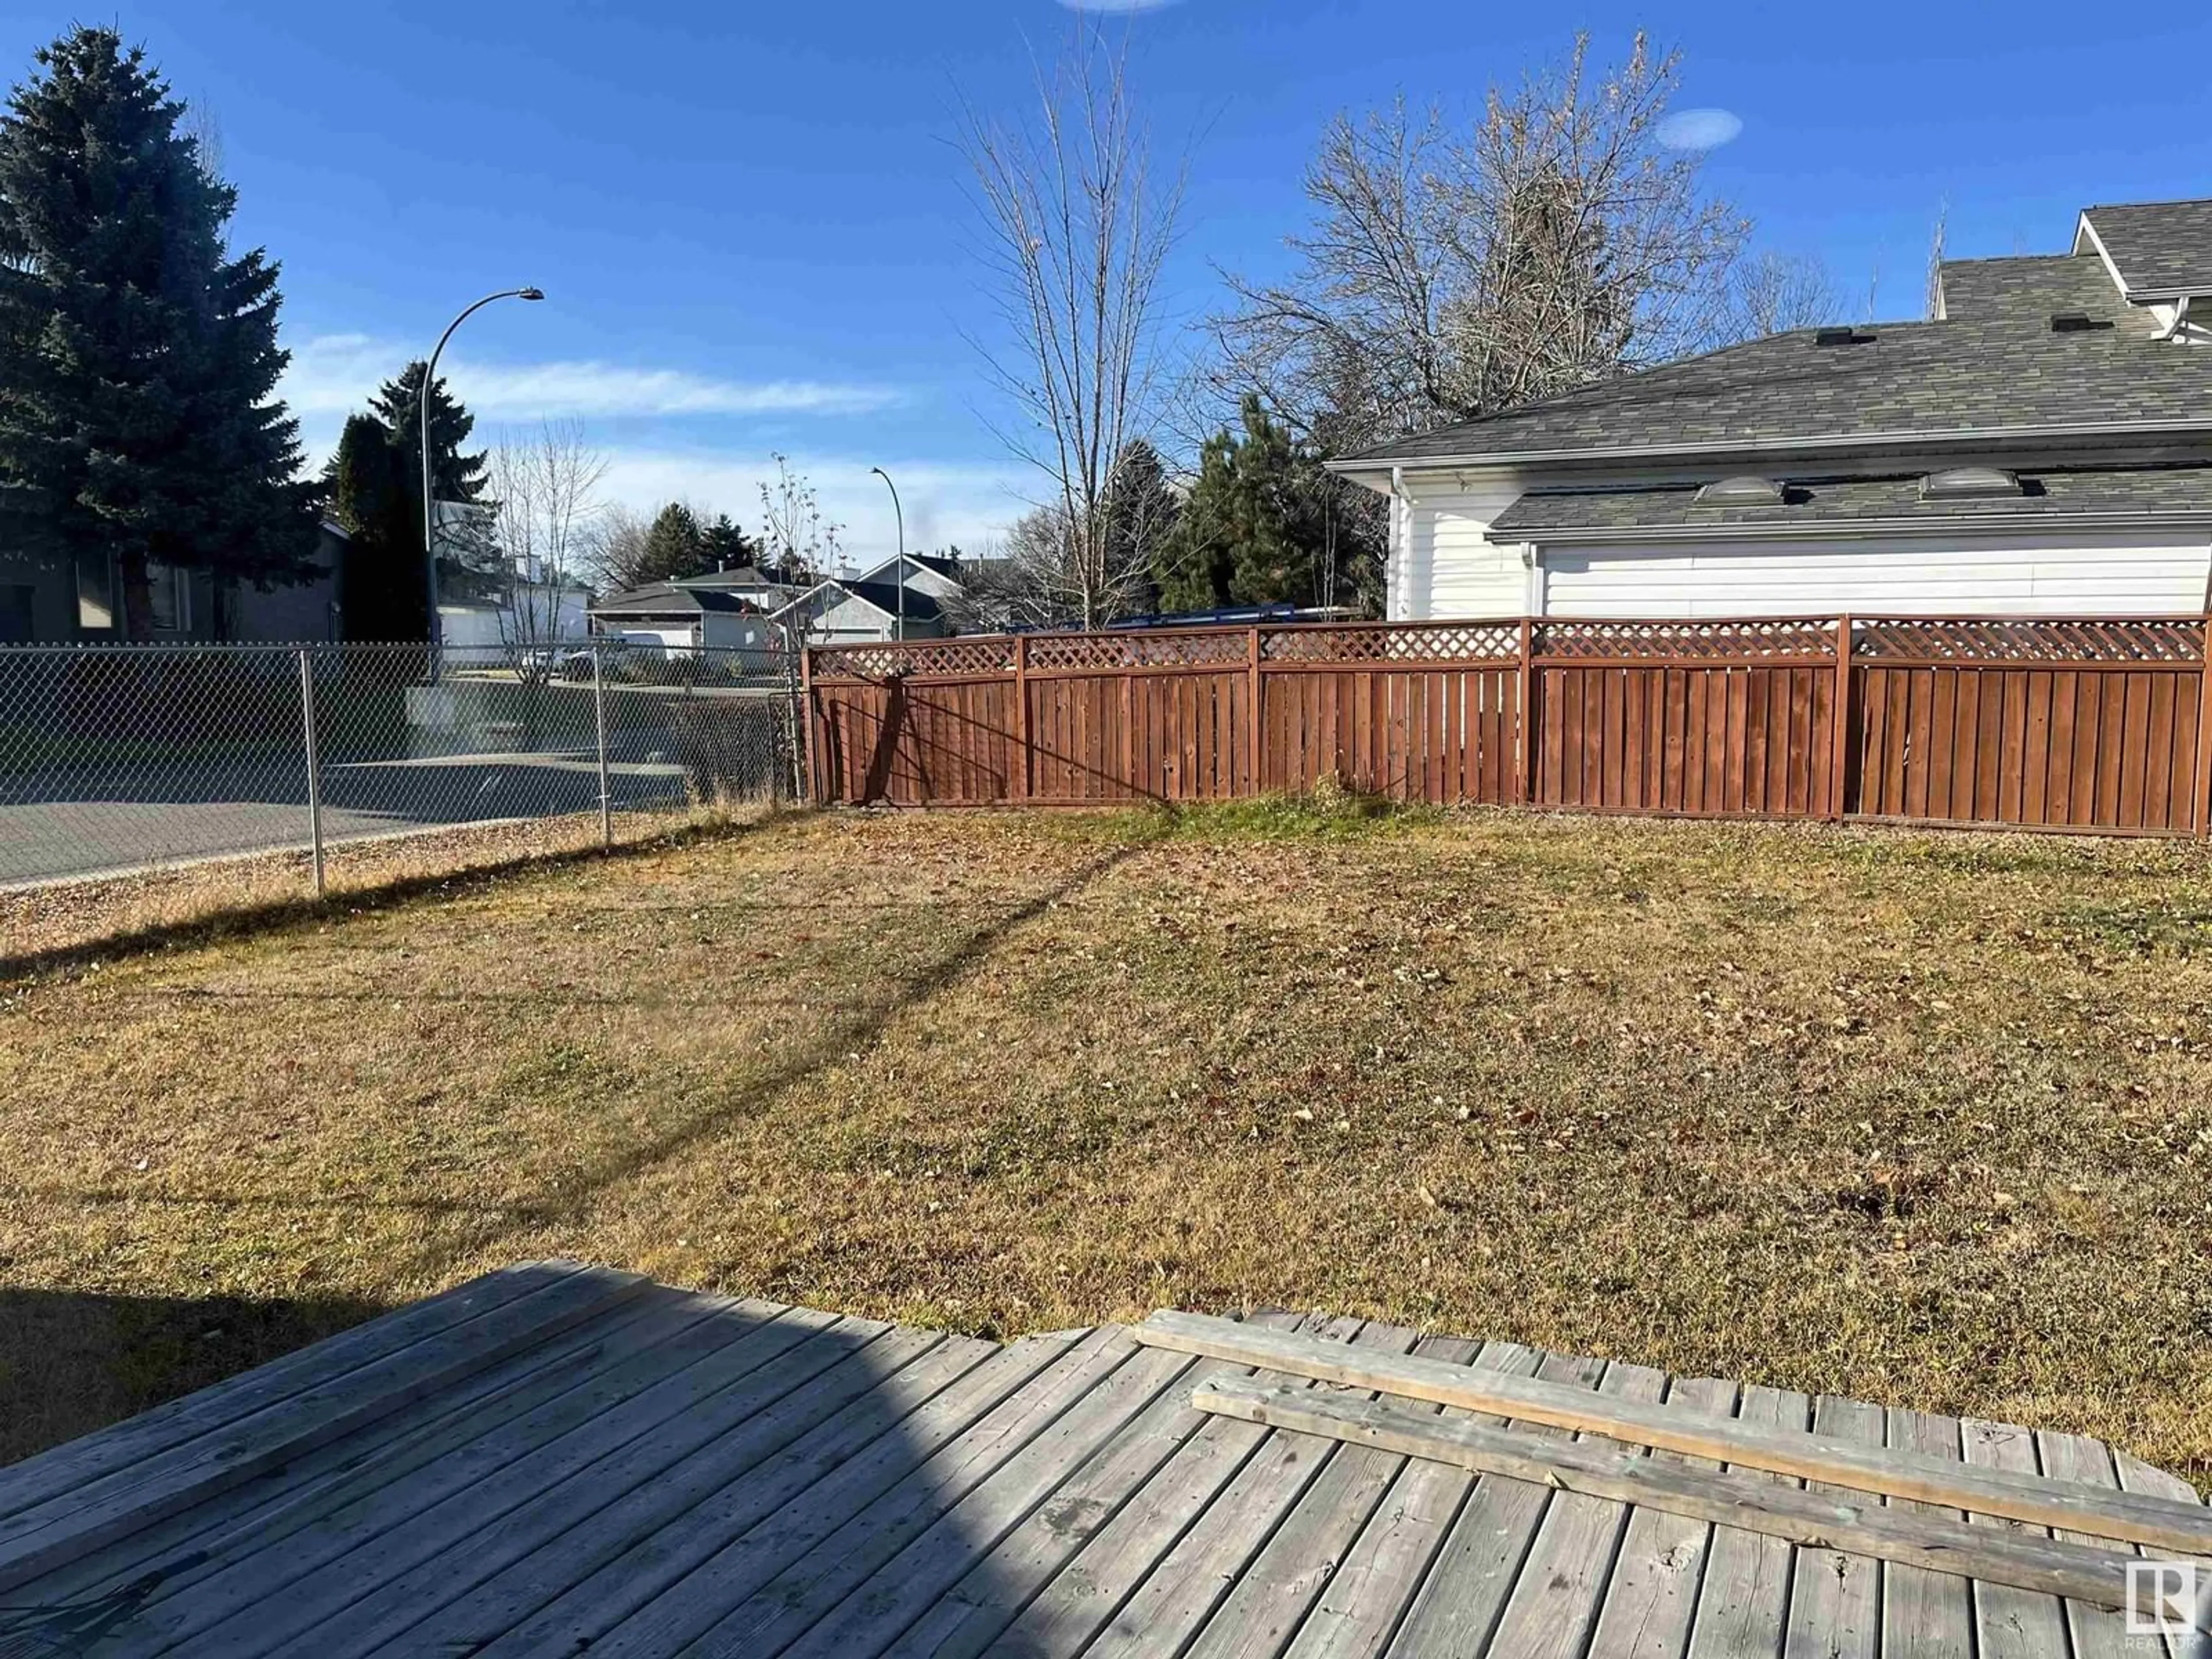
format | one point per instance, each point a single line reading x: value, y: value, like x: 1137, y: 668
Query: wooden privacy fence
x: 2038, y: 723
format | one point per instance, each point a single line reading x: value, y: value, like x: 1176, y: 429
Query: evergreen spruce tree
x: 675, y: 546
x: 1194, y: 567
x: 1141, y: 511
x: 454, y: 477
x: 138, y: 360
x: 381, y: 594
x: 723, y: 546
x: 1276, y: 552
x: 1265, y: 524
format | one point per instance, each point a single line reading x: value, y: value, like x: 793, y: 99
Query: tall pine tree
x: 1265, y: 523
x: 455, y: 476
x: 1195, y: 567
x: 138, y: 360
x: 381, y: 594
x: 675, y: 546
x: 724, y: 546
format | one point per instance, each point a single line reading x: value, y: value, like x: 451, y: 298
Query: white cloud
x: 1699, y: 129
x: 969, y: 504
x: 333, y: 375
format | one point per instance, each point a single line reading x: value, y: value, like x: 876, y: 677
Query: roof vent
x: 2077, y: 322
x: 1841, y: 337
x: 1968, y: 482
x: 1745, y: 491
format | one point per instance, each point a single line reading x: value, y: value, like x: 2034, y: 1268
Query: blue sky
x: 751, y: 228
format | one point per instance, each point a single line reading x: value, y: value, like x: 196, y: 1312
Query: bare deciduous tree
x: 1770, y: 293
x: 617, y: 553
x: 546, y: 483
x: 801, y: 543
x: 1935, y: 260
x: 1076, y: 227
x: 1452, y: 272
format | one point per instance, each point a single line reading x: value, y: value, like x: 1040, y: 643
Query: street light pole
x: 429, y: 504
x: 901, y: 512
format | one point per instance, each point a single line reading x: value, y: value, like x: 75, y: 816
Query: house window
x: 95, y: 592
x: 171, y: 609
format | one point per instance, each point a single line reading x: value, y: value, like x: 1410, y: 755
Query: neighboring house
x: 681, y: 618
x: 49, y: 602
x: 848, y: 609
x: 745, y: 607
x: 922, y: 573
x: 2043, y: 445
x: 748, y: 583
x: 489, y: 596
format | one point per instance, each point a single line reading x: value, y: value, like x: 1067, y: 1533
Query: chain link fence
x: 115, y: 757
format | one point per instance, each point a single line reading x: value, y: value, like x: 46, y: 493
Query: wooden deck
x: 557, y: 1460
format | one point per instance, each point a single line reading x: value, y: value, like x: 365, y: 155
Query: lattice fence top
x: 1477, y: 642
x: 1213, y: 647
x: 2030, y: 640
x: 2022, y: 639
x: 987, y: 655
x: 1801, y: 636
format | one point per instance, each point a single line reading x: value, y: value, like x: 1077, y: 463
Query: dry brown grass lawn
x: 1917, y: 1118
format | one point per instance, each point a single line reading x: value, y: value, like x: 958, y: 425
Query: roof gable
x: 2159, y: 250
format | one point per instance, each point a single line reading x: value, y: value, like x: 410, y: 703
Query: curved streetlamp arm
x: 422, y: 400
x: 899, y: 512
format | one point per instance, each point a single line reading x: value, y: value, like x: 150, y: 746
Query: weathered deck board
x: 1923, y: 1612
x: 387, y: 1562
x: 211, y: 1459
x: 1459, y: 1605
x: 1835, y: 1601
x: 1181, y: 1593
x: 683, y: 1473
x: 1272, y: 1598
x: 1744, y: 1602
x: 1653, y: 1598
x: 562, y: 1597
x: 1071, y: 1609
x: 1359, y: 1610
x: 2010, y: 1622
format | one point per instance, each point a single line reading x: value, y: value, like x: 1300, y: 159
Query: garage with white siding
x: 2042, y: 445
x: 1922, y: 575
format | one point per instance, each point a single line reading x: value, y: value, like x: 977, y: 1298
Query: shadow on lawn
x: 72, y: 1362
x: 855, y: 1033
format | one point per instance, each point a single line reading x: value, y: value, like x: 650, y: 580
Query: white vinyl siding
x: 2132, y: 574
x: 1441, y: 563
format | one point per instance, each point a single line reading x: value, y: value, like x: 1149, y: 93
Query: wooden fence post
x: 1128, y: 731
x: 2204, y: 735
x: 1524, y: 752
x: 1839, y: 760
x: 1021, y: 781
x: 813, y: 762
x: 1254, y: 729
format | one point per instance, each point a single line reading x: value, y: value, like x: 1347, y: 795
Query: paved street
x: 57, y: 826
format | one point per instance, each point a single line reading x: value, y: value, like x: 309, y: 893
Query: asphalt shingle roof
x: 2148, y: 492
x: 2030, y: 288
x: 1910, y: 380
x: 665, y: 598
x: 2159, y: 247
x: 919, y: 605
